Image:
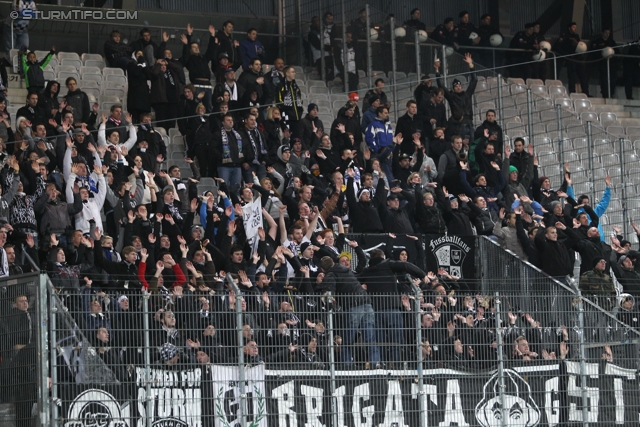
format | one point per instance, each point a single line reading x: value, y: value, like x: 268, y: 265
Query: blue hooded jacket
x: 379, y: 134
x: 600, y: 209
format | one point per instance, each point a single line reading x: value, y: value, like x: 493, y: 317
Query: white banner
x: 252, y: 219
x: 226, y: 396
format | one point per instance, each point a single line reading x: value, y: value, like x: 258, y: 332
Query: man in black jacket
x: 306, y: 125
x: 32, y: 111
x: 252, y: 79
x: 460, y: 100
x: 198, y: 65
x: 433, y: 110
x: 556, y: 258
x: 363, y: 209
x: 255, y: 159
x: 124, y: 274
x: 355, y: 301
x: 148, y: 46
x: 495, y: 132
x: 396, y: 219
x: 226, y: 44
x: 382, y: 285
x: 409, y: 125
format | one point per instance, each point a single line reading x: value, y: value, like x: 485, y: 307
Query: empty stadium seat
x: 608, y: 116
x: 91, y: 57
x: 115, y: 71
x: 588, y: 116
x: 76, y: 63
x: 89, y: 70
x: 94, y: 63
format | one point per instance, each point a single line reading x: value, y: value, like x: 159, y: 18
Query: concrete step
x: 629, y: 121
x: 609, y: 108
x: 17, y: 98
x: 15, y: 81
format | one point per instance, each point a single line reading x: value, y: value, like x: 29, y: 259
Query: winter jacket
x: 600, y: 209
x: 407, y: 126
x: 364, y: 216
x: 379, y: 278
x: 33, y: 75
x: 289, y: 99
x: 508, y: 238
x: 113, y: 51
x: 556, y: 258
x: 138, y: 93
x: 79, y: 101
x: 249, y: 51
x: 493, y: 128
x: 198, y: 65
x: 341, y: 282
x: 367, y: 118
x: 141, y: 44
x: 460, y: 102
x: 225, y: 45
x: 305, y: 129
x: 379, y: 135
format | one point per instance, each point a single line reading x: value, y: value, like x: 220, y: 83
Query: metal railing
x: 302, y: 360
x: 262, y: 357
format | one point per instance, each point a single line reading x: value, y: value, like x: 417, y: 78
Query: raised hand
x: 468, y: 59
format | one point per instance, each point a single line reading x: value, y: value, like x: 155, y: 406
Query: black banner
x: 455, y: 254
x: 535, y: 394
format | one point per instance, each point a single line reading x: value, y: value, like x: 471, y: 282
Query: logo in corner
x: 519, y: 407
x: 93, y: 408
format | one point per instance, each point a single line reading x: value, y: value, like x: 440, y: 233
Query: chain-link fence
x: 24, y: 347
x: 262, y: 358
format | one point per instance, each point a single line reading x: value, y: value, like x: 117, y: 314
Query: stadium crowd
x: 88, y: 198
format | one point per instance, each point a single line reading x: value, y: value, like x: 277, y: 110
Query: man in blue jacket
x: 379, y: 137
x: 251, y: 48
x: 600, y: 209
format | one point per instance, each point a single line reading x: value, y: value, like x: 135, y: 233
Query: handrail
x: 577, y: 294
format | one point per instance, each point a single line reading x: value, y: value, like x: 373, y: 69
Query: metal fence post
x: 421, y: 392
x: 444, y: 66
x: 332, y: 361
x: 345, y: 52
x: 500, y: 345
x: 323, y: 71
x: 609, y: 77
x: 147, y: 352
x: 241, y: 373
x: 394, y: 87
x: 283, y: 29
x: 592, y: 193
x: 299, y: 25
x: 623, y: 180
x: 560, y: 140
x: 369, y: 51
x: 583, y: 363
x: 500, y: 103
x: 42, y: 349
x: 529, y: 114
x: 417, y: 45
x: 53, y: 356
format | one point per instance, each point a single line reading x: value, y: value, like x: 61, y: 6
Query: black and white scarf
x: 233, y: 91
x: 262, y: 151
x: 226, y: 151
